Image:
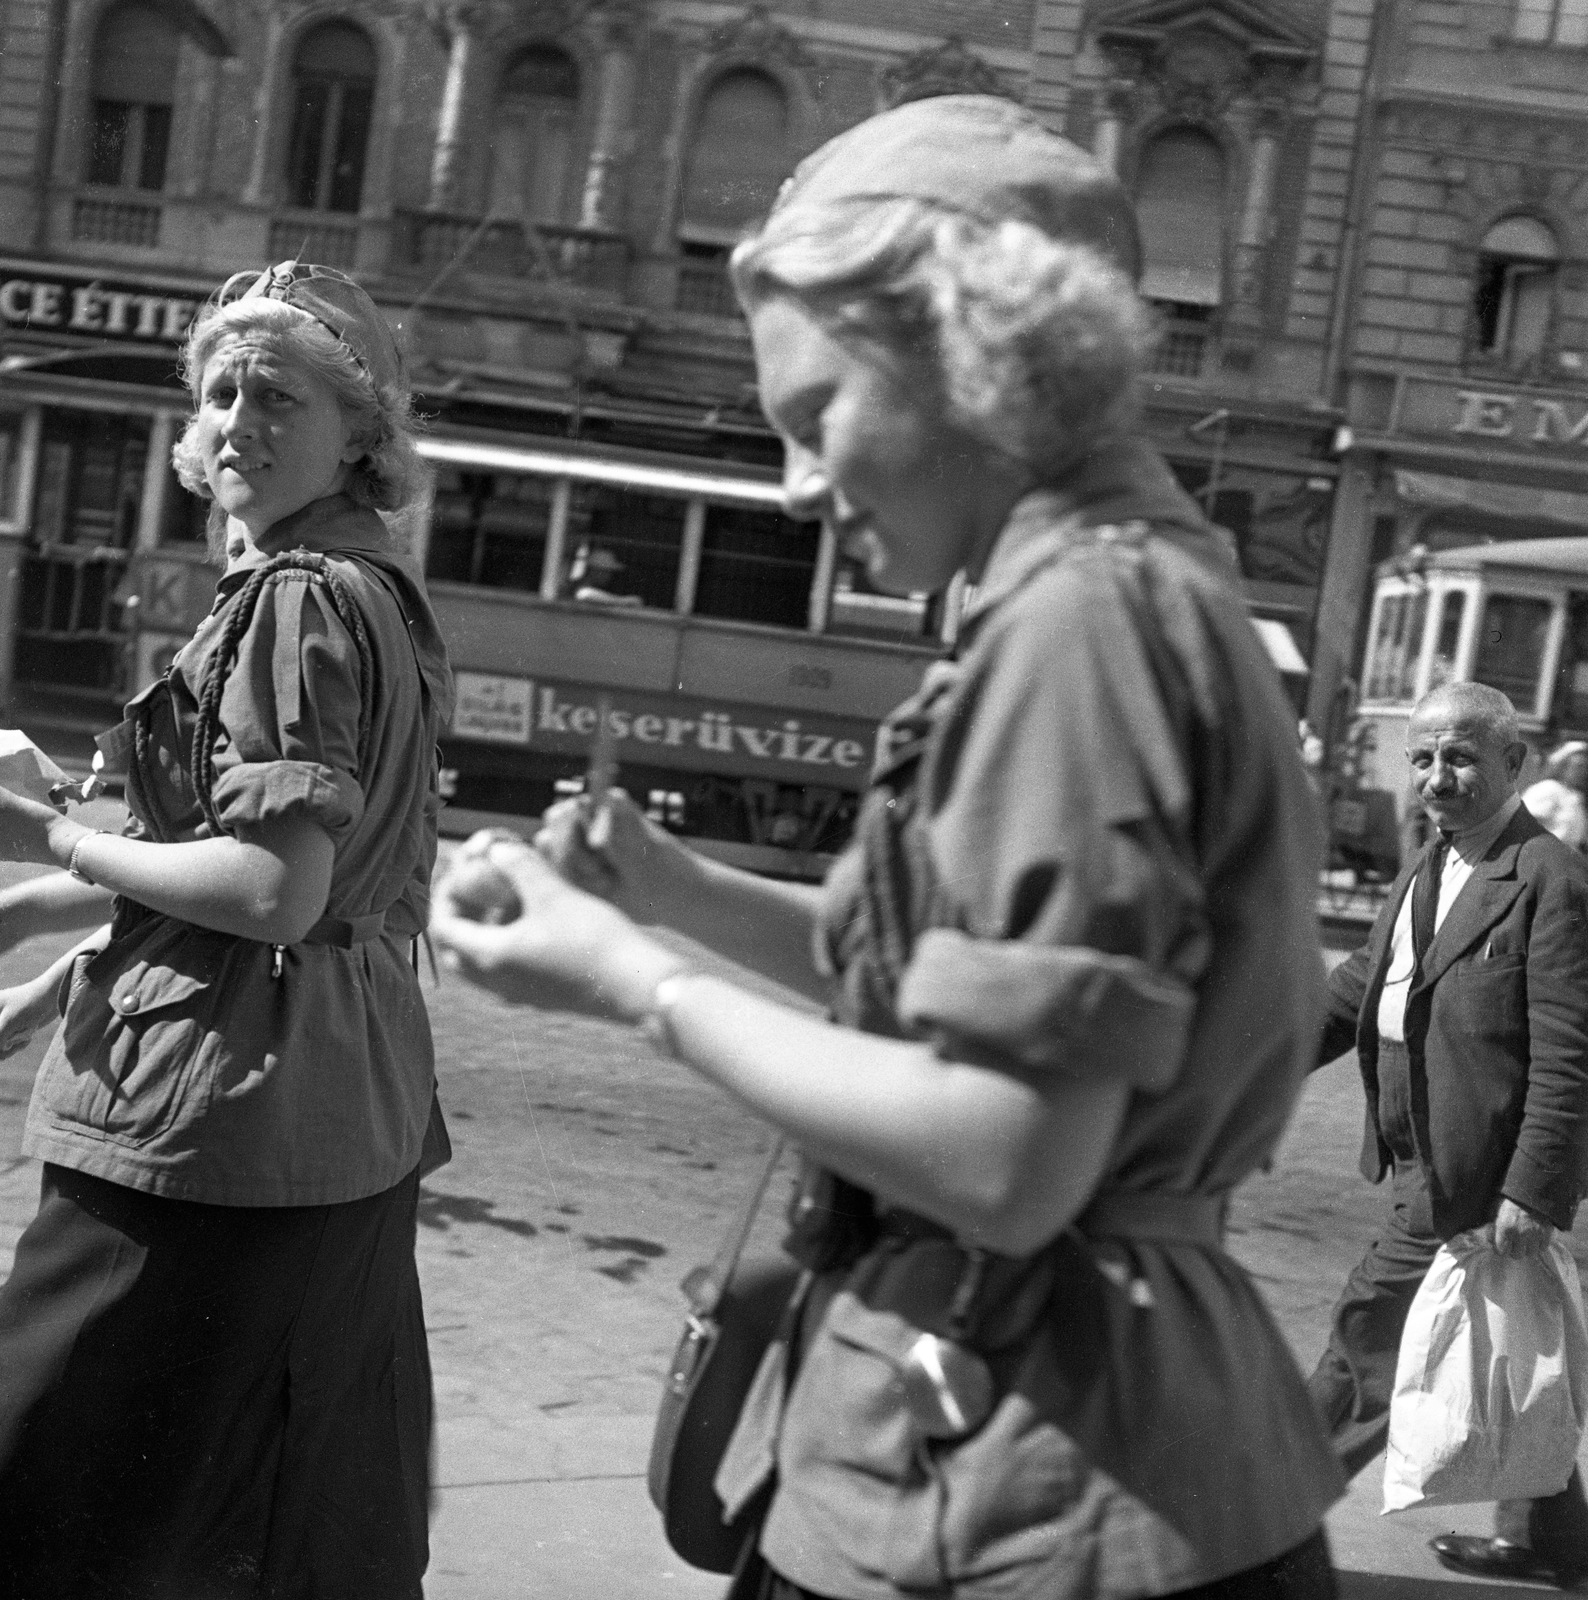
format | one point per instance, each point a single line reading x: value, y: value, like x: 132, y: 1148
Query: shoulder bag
x: 736, y: 1309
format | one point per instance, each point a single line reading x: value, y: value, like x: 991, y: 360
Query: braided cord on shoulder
x: 239, y: 616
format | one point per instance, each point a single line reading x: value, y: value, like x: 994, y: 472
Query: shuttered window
x: 1514, y: 295
x: 533, y: 137
x: 333, y: 87
x: 1180, y: 204
x: 135, y: 55
x: 738, y: 157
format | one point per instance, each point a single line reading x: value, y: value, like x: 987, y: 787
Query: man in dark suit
x: 1468, y: 1009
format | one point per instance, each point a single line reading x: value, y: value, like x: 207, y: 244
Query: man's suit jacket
x: 1496, y: 1032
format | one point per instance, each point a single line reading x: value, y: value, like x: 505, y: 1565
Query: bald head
x: 1475, y: 705
x: 1465, y: 754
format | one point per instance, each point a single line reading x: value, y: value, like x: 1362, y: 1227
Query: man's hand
x: 1518, y: 1232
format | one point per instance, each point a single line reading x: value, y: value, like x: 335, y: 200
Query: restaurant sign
x: 1526, y: 418
x: 42, y: 297
x: 561, y: 717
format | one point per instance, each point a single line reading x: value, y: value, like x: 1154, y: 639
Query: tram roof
x: 1567, y: 557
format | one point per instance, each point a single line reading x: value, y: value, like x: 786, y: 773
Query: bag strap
x: 705, y: 1286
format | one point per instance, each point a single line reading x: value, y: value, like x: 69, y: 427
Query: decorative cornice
x: 946, y: 68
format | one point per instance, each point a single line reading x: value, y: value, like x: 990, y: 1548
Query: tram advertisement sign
x: 676, y: 730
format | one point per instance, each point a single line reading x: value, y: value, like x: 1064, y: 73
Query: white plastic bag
x: 1491, y: 1388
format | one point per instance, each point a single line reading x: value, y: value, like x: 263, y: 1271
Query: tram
x: 741, y: 662
x: 1513, y: 615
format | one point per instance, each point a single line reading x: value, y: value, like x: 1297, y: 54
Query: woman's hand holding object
x: 32, y: 831
x: 610, y: 848
x: 565, y: 951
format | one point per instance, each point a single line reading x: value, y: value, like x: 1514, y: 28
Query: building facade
x: 1464, y: 351
x: 542, y: 195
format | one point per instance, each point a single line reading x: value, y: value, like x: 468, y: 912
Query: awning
x: 1509, y: 501
x: 1280, y: 643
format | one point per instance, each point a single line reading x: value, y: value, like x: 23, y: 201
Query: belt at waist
x: 345, y: 932
x: 1166, y: 1218
x: 1163, y: 1218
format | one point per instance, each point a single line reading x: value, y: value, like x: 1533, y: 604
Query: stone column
x: 601, y: 204
x: 1256, y: 227
x: 446, y: 164
x: 1113, y: 107
x: 269, y: 94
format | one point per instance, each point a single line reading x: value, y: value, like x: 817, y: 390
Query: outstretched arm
x: 53, y: 902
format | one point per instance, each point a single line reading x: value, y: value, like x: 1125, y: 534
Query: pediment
x: 1276, y: 32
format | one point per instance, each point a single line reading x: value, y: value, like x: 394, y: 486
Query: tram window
x: 489, y: 528
x: 623, y: 546
x: 1511, y: 647
x: 1392, y: 664
x: 756, y: 566
x: 1451, y: 615
x: 859, y: 607
x: 1570, y: 710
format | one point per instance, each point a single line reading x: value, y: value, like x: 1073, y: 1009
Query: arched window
x: 738, y: 157
x: 1180, y: 207
x: 333, y: 93
x: 134, y: 80
x: 533, y: 137
x: 1515, y: 290
x: 1180, y: 203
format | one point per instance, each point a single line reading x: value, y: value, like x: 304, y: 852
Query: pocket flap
x: 148, y: 986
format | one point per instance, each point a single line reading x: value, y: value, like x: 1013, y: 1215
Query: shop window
x: 532, y: 137
x: 1550, y: 22
x: 333, y: 96
x: 738, y: 157
x: 1515, y: 291
x: 1569, y: 711
x: 184, y: 516
x: 1180, y: 204
x: 756, y: 566
x: 129, y: 135
x: 1396, y: 647
x: 623, y: 547
x: 10, y: 466
x: 490, y: 528
x: 1511, y: 638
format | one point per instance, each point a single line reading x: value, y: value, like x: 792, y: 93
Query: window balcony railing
x: 585, y: 258
x: 101, y: 220
x: 704, y: 286
x: 1181, y: 353
x: 313, y: 236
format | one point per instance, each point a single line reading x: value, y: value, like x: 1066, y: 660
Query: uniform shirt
x: 184, y: 1066
x: 1122, y: 850
x: 1466, y: 850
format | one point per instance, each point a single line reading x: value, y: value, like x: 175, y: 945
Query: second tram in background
x: 1513, y: 615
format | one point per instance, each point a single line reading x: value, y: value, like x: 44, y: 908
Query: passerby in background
x: 213, y: 1371
x: 1560, y: 798
x: 1071, y: 955
x: 1468, y: 1010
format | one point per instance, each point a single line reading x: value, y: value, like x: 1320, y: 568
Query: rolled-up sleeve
x: 1074, y: 929
x: 290, y: 715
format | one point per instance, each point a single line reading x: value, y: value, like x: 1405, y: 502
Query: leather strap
x: 1158, y: 1217
x: 705, y: 1285
x: 345, y: 932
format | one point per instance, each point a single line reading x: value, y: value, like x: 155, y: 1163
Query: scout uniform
x: 251, y: 1118
x: 1090, y: 851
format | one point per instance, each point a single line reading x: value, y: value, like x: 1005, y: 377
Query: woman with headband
x: 213, y: 1371
x: 1071, y: 955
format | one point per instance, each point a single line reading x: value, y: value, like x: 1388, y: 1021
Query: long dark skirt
x: 213, y: 1401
